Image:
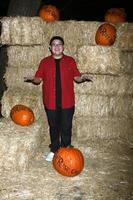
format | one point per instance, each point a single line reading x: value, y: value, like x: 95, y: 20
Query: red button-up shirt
x: 47, y: 71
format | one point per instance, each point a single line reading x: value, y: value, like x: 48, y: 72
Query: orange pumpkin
x: 115, y: 15
x: 49, y: 13
x: 105, y: 35
x: 22, y: 115
x: 68, y: 161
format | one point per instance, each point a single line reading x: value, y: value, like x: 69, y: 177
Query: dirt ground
x: 107, y: 175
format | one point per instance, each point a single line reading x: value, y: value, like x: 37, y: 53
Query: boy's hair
x: 56, y: 38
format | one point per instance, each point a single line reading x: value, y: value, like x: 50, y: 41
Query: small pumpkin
x: 68, y: 161
x: 115, y: 15
x: 105, y: 34
x: 49, y: 13
x: 22, y: 115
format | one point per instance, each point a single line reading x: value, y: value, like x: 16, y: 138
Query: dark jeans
x: 60, y: 123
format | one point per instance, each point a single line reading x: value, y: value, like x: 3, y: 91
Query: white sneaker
x: 50, y: 156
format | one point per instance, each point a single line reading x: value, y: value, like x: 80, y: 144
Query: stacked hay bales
x: 18, y: 145
x: 22, y: 61
x: 104, y: 107
x: 106, y: 104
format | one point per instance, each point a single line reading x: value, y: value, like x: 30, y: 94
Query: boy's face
x: 57, y: 47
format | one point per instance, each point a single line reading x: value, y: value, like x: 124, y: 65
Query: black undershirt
x: 58, y: 84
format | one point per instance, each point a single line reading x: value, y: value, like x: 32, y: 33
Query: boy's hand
x: 86, y: 77
x: 28, y: 78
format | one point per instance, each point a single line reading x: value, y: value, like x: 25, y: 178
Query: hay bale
x: 30, y: 98
x: 73, y: 32
x: 124, y: 37
x: 26, y: 56
x: 5, y: 31
x: 22, y: 30
x: 15, y: 76
x: 104, y: 106
x: 88, y: 29
x: 24, y: 62
x: 33, y: 30
x: 90, y: 127
x: 102, y: 60
x: 19, y: 145
x: 106, y: 85
x: 127, y: 62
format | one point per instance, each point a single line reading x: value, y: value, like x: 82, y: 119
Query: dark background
x: 88, y: 10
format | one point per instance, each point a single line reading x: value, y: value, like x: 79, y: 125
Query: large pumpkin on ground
x: 49, y: 13
x: 68, y: 161
x: 105, y: 34
x: 115, y: 15
x: 22, y: 115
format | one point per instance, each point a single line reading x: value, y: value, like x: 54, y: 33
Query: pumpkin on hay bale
x: 68, y: 161
x: 115, y: 15
x: 22, y: 115
x: 105, y: 34
x: 49, y: 13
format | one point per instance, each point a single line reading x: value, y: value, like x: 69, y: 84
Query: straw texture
x: 103, y: 107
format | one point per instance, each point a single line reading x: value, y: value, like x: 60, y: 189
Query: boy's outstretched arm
x: 84, y: 77
x: 32, y: 79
